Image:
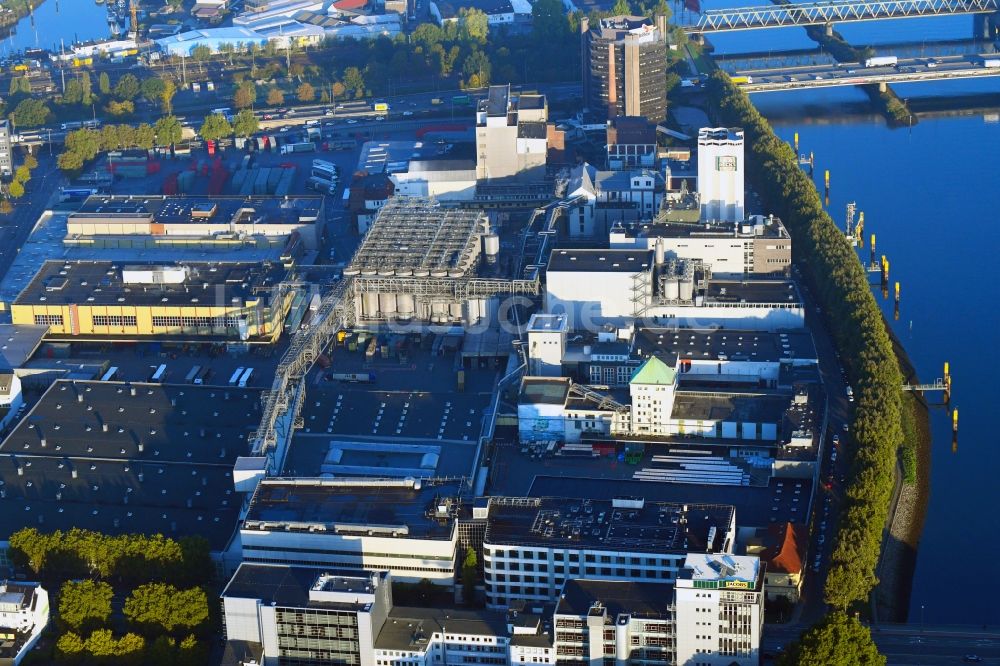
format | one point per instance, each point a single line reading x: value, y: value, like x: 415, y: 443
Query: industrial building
x: 759, y: 245
x: 104, y: 300
x: 532, y: 546
x: 200, y: 217
x: 119, y: 458
x: 619, y: 286
x: 721, y: 174
x: 631, y: 143
x: 511, y: 135
x: 624, y: 67
x: 277, y: 613
x: 662, y: 623
x: 24, y: 614
x: 407, y: 527
x: 418, y: 262
x: 6, y: 152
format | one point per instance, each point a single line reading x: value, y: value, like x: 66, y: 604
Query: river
x: 55, y: 20
x: 928, y: 192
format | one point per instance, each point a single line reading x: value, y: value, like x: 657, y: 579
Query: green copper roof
x: 654, y: 371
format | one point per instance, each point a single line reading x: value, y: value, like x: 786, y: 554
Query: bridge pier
x: 829, y: 29
x: 883, y: 86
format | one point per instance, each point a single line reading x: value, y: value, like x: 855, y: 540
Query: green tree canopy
x: 201, y: 53
x: 22, y: 174
x: 245, y: 95
x: 354, y: 81
x: 163, y: 606
x: 104, y: 83
x: 30, y: 161
x: 275, y: 97
x: 470, y: 575
x: 15, y: 190
x: 70, y: 648
x: 30, y: 113
x: 167, y: 96
x: 245, y: 123
x: 85, y: 604
x: 152, y: 88
x: 127, y: 87
x: 838, y: 640
x: 168, y: 130
x: 215, y: 127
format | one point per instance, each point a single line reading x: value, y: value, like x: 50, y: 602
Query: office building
x: 407, y: 527
x: 295, y: 615
x: 197, y: 300
x: 546, y: 344
x: 24, y: 614
x: 532, y: 546
x: 624, y: 67
x: 720, y: 610
x: 758, y: 246
x: 721, y: 174
x: 6, y: 152
x: 511, y: 135
x: 631, y: 143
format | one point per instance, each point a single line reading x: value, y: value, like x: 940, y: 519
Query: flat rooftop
x: 109, y: 283
x: 741, y: 407
x: 298, y: 209
x: 117, y: 457
x: 289, y: 586
x: 723, y: 568
x: 544, y: 390
x: 603, y: 261
x: 555, y: 522
x: 393, y: 156
x: 410, y: 628
x: 725, y: 344
x: 547, y: 322
x: 651, y: 600
x: 18, y: 344
x: 762, y: 291
x: 771, y: 229
x: 397, y: 508
x: 413, y: 236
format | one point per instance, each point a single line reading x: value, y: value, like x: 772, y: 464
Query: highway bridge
x: 828, y: 13
x: 850, y: 74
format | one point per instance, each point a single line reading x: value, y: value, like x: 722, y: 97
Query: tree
x: 123, y: 108
x: 15, y: 190
x: 477, y: 68
x: 163, y: 606
x: 70, y: 162
x: 470, y: 574
x: 354, y: 81
x: 621, y: 8
x: 85, y: 604
x: 215, y: 127
x: 305, y: 92
x: 296, y: 70
x: 15, y: 85
x: 192, y: 651
x: 145, y: 136
x: 201, y: 53
x: 152, y: 88
x: 6, y: 207
x: 86, y: 88
x: 245, y: 95
x: 104, y: 83
x: 275, y: 97
x: 30, y: 113
x: 30, y: 161
x: 168, y: 131
x: 167, y: 96
x: 22, y: 174
x: 245, y: 123
x: 475, y: 23
x: 70, y: 648
x: 85, y: 142
x: 127, y: 87
x: 548, y: 21
x: 73, y: 93
x: 838, y: 640
x: 338, y: 90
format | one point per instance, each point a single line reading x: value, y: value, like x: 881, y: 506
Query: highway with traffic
x: 849, y: 74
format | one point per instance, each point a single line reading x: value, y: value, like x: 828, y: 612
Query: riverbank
x: 898, y: 561
x: 14, y: 11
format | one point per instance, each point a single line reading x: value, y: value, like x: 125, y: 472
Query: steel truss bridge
x: 828, y: 13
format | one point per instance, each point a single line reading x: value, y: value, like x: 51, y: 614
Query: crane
x: 133, y: 10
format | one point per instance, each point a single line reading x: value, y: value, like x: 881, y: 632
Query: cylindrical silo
x: 404, y: 306
x: 455, y: 311
x: 423, y: 311
x: 491, y: 246
x: 369, y: 304
x: 671, y: 289
x: 387, y: 305
x: 687, y: 288
x: 439, y: 312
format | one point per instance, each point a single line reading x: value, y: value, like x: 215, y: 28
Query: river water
x: 55, y: 20
x: 928, y: 192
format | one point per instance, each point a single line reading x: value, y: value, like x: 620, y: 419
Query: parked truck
x: 882, y: 61
x: 358, y: 377
x: 991, y: 63
x: 303, y: 147
x: 315, y: 302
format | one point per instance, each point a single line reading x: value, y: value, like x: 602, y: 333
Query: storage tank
x: 671, y: 289
x: 439, y: 312
x: 369, y: 304
x: 423, y: 312
x: 351, y: 271
x: 687, y: 288
x: 387, y: 305
x: 456, y: 273
x: 404, y: 272
x: 661, y: 252
x: 472, y: 312
x: 421, y: 272
x: 404, y: 306
x: 491, y: 246
x: 455, y: 311
x: 439, y: 273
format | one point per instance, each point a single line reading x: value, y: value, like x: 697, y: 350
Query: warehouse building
x: 121, y: 458
x: 532, y: 546
x: 756, y: 246
x: 200, y: 217
x: 621, y: 286
x: 104, y: 300
x: 407, y: 527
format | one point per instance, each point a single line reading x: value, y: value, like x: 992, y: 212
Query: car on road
x: 407, y: 114
x: 379, y: 118
x: 836, y: 440
x: 339, y: 107
x: 328, y: 112
x: 972, y: 659
x: 847, y: 428
x: 290, y: 112
x: 267, y: 116
x: 283, y: 129
x: 352, y: 121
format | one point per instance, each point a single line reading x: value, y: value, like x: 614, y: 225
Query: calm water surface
x: 55, y: 20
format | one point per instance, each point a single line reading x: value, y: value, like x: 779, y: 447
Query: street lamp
x: 921, y: 618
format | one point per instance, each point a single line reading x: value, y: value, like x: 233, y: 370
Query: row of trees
x: 22, y: 175
x: 130, y: 649
x: 83, y: 145
x: 858, y: 329
x: 153, y: 608
x: 128, y: 558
